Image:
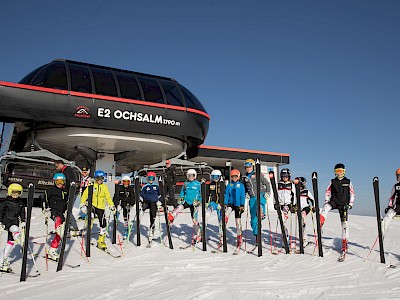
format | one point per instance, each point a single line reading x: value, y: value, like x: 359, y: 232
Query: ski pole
x: 247, y: 220
x: 315, y: 234
x: 34, y: 260
x: 372, y: 248
x: 270, y: 231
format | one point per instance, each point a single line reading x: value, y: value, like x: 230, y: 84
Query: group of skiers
x: 339, y: 195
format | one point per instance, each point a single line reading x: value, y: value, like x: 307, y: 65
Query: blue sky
x: 317, y: 79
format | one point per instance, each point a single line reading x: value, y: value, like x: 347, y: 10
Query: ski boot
x: 150, y: 237
x: 126, y: 231
x: 52, y: 254
x: 101, y: 243
x: 344, y: 250
x: 5, y: 267
x: 171, y: 218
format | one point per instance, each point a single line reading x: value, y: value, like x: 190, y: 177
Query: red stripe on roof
x: 242, y: 150
x: 101, y: 97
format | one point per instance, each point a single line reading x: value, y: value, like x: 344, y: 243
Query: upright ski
x: 314, y: 177
x: 258, y: 191
x: 299, y: 217
x: 71, y: 199
x: 278, y: 209
x: 378, y: 218
x: 167, y: 223
x: 137, y: 193
x: 25, y: 247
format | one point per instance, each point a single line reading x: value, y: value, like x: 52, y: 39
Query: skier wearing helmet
x: 394, y: 203
x: 306, y: 205
x: 124, y: 199
x: 339, y: 195
x: 235, y: 199
x: 213, y: 196
x: 101, y: 196
x: 55, y: 205
x: 250, y: 183
x: 150, y: 195
x: 12, y: 219
x: 190, y: 197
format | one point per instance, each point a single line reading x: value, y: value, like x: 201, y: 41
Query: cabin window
x: 80, y: 79
x: 128, y: 86
x: 191, y: 100
x: 172, y: 93
x: 52, y: 76
x: 151, y: 90
x: 104, y: 82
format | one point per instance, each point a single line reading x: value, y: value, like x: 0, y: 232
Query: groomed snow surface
x: 161, y: 273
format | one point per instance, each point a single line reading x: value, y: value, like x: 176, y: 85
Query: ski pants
x: 58, y: 221
x: 170, y: 191
x: 253, y: 212
x: 213, y: 206
x: 343, y: 217
x: 153, y: 211
x: 391, y: 213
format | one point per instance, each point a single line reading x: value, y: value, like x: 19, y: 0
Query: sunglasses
x: 151, y: 178
x: 234, y: 176
x: 16, y: 192
x: 100, y: 178
x: 59, y: 181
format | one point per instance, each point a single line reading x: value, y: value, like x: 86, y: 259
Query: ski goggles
x: 339, y: 171
x: 234, y: 176
x: 248, y: 164
x: 100, y: 178
x: 214, y: 177
x: 59, y: 181
x: 151, y: 178
x: 126, y: 181
x: 16, y: 192
x: 191, y: 175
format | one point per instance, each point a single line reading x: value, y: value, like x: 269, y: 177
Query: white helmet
x: 126, y: 178
x: 191, y: 172
x: 215, y: 175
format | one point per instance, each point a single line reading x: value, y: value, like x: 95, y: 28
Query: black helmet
x: 302, y: 181
x: 285, y: 172
x: 339, y: 166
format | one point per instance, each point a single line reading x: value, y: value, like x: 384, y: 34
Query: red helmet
x: 151, y: 174
x: 235, y: 172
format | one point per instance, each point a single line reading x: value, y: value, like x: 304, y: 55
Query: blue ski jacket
x: 191, y: 190
x: 150, y: 192
x: 235, y: 194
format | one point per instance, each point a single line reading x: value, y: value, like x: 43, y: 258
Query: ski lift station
x: 115, y: 120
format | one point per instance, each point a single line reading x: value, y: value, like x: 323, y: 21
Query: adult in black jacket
x: 169, y: 183
x: 124, y: 198
x: 56, y: 203
x: 12, y: 219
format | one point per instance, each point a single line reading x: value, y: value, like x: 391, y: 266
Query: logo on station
x: 82, y: 112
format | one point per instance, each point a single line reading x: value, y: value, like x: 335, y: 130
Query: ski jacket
x: 124, y: 194
x: 191, y: 191
x: 170, y: 176
x: 150, y: 192
x: 235, y: 194
x: 340, y: 191
x: 101, y: 195
x: 213, y: 192
x: 286, y: 193
x: 394, y: 199
x: 306, y: 198
x: 85, y: 181
x: 11, y: 210
x: 249, y: 181
x: 56, y: 199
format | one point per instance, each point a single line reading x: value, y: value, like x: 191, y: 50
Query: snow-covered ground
x: 162, y: 273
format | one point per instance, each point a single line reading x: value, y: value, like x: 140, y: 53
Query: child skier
x: 235, y: 198
x: 12, y: 219
x: 250, y: 183
x: 150, y: 195
x: 124, y: 199
x: 306, y: 205
x: 101, y: 195
x: 213, y: 196
x: 55, y: 205
x: 339, y: 195
x: 394, y: 203
x: 286, y: 196
x: 190, y: 197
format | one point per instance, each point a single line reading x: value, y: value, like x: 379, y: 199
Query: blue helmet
x: 59, y: 176
x: 99, y: 173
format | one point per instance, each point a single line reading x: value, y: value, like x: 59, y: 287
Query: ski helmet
x: 14, y: 188
x: 126, y: 178
x: 302, y: 181
x: 340, y: 171
x: 59, y: 178
x: 398, y: 174
x: 99, y: 174
x: 234, y: 173
x: 151, y: 176
x: 249, y: 163
x: 285, y: 173
x: 190, y: 173
x: 215, y: 175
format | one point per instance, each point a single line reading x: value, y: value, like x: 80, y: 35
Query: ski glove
x: 22, y: 226
x: 83, y: 209
x: 196, y: 203
x: 113, y: 209
x: 2, y: 226
x: 276, y: 205
x: 387, y: 209
x: 158, y: 204
x: 347, y: 207
x: 181, y: 201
